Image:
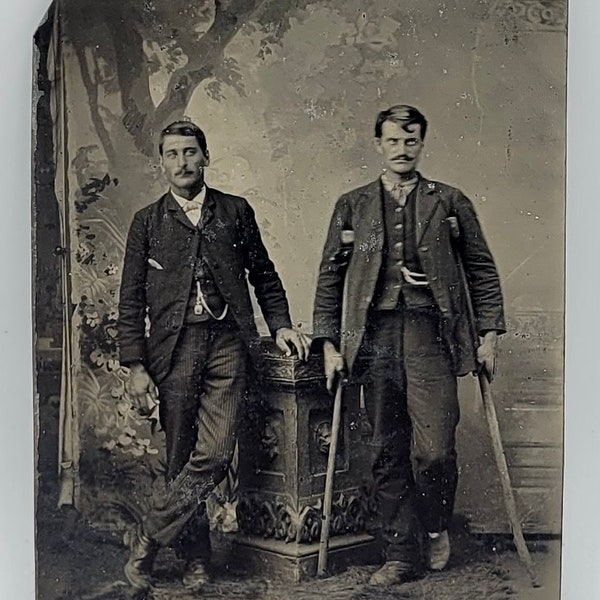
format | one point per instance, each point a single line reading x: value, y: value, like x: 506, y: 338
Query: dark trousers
x: 200, y: 403
x: 411, y: 397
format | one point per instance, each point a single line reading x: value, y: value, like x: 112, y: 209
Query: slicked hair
x: 404, y: 115
x: 183, y: 128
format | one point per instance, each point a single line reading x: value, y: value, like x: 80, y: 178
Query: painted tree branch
x: 203, y: 59
x: 125, y: 44
x: 92, y: 92
x: 130, y: 62
x: 133, y: 78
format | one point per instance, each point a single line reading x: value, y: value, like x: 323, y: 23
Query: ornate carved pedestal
x: 283, y: 460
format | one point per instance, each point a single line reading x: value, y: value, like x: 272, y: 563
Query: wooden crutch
x: 497, y: 445
x: 329, y: 480
x: 507, y: 490
x: 342, y: 258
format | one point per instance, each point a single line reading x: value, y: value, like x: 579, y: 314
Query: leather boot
x: 142, y: 552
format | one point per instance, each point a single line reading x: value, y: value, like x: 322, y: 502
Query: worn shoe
x: 142, y: 552
x: 393, y: 572
x: 195, y: 576
x: 438, y: 550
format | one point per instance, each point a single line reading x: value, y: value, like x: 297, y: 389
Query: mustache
x: 401, y: 157
x: 188, y: 171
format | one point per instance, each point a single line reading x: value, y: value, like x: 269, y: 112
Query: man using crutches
x: 412, y: 257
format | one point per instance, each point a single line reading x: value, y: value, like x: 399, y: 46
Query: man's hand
x: 286, y: 336
x: 335, y: 366
x: 142, y: 390
x: 486, y: 354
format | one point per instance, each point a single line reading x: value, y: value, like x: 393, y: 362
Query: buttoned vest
x: 400, y: 250
x: 212, y: 296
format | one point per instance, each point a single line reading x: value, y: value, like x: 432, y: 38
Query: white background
x: 581, y: 546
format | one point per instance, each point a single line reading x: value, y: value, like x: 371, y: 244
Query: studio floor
x: 78, y: 563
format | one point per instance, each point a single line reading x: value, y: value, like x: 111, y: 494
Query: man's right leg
x: 179, y: 403
x: 223, y: 389
x: 382, y: 361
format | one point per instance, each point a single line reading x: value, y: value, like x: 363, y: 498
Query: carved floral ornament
x: 534, y: 15
x: 268, y: 518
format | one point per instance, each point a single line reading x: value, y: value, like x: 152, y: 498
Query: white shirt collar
x: 394, y: 183
x: 199, y: 197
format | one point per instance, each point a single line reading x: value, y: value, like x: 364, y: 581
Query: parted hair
x: 183, y: 128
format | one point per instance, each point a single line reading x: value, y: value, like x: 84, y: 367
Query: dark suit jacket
x: 233, y: 250
x: 448, y: 234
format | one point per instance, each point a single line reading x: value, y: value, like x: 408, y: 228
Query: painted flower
x: 109, y: 445
x: 112, y: 364
x: 98, y: 357
x: 125, y: 440
x: 92, y: 319
x: 112, y: 269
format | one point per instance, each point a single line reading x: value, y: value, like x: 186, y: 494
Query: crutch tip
x: 535, y: 582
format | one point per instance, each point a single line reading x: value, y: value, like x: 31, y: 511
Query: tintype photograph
x: 299, y: 299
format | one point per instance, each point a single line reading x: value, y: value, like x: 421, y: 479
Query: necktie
x: 399, y: 190
x: 192, y: 209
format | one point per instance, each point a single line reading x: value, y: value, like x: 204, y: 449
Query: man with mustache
x: 422, y: 306
x: 186, y: 326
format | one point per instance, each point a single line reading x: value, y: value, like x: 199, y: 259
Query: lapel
x: 177, y: 212
x: 205, y: 216
x: 427, y: 200
x: 370, y: 213
x: 208, y: 208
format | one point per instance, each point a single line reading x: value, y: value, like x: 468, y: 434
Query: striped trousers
x: 200, y: 405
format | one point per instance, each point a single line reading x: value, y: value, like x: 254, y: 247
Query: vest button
x: 424, y: 248
x: 398, y: 209
x: 398, y: 226
x: 398, y: 245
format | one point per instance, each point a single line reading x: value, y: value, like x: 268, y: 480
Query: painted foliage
x: 287, y: 93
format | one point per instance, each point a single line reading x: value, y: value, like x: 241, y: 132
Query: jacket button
x: 424, y: 248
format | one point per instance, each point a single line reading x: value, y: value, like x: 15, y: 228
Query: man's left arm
x: 483, y: 282
x: 269, y: 289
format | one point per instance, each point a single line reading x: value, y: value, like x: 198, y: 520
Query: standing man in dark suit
x: 423, y: 305
x: 186, y: 327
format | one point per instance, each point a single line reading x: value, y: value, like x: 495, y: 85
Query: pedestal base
x: 295, y: 562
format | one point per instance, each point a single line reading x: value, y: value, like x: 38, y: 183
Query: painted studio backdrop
x: 287, y: 93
